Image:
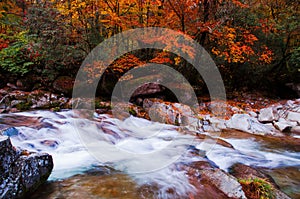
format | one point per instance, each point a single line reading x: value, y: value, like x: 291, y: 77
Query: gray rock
x: 217, y: 124
x: 239, y: 122
x: 21, y: 172
x: 267, y: 115
x: 224, y: 182
x: 283, y: 125
x: 148, y: 89
x: 293, y: 116
x: 253, y: 114
x: 7, y: 154
x: 244, y: 122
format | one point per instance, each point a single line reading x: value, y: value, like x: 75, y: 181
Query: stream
x: 136, y: 154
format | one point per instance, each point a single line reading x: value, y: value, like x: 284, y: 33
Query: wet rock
x: 211, y: 182
x: 3, y: 92
x: 7, y: 154
x: 91, y: 185
x: 282, y: 126
x: 211, y: 139
x: 50, y: 143
x: 236, y: 109
x: 12, y: 86
x: 124, y: 110
x: 224, y: 182
x: 21, y: 173
x: 241, y: 171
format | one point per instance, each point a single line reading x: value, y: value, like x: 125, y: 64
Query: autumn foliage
x: 259, y: 34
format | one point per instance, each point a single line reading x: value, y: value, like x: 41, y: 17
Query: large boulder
x: 171, y: 113
x: 148, y: 90
x: 64, y: 84
x: 21, y: 171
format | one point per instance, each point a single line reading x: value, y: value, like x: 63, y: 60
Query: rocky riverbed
x: 224, y: 143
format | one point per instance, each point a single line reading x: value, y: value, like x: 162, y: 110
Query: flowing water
x: 136, y: 153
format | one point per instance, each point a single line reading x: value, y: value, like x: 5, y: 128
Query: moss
x: 132, y: 111
x: 56, y: 109
x: 257, y: 188
x: 24, y: 106
x: 101, y: 105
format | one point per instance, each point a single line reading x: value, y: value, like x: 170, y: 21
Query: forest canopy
x: 255, y: 43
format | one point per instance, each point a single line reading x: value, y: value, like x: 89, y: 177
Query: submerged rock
x: 8, y: 130
x: 90, y: 185
x: 287, y: 178
x: 21, y: 172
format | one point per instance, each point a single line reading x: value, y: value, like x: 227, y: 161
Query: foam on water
x: 249, y: 152
x: 60, y: 140
x: 147, y: 150
x: 126, y: 145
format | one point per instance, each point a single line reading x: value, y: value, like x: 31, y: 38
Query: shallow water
x: 145, y: 153
x: 287, y: 178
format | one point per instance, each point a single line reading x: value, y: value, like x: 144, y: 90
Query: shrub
x: 18, y: 57
x: 257, y: 188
